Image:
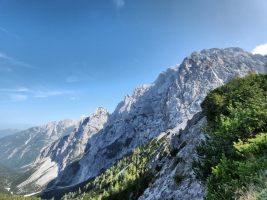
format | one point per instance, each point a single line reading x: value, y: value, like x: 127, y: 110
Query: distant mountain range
x: 54, y: 158
x: 63, y: 154
x: 22, y: 148
x: 6, y: 132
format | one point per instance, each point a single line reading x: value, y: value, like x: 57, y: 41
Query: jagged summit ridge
x: 168, y: 103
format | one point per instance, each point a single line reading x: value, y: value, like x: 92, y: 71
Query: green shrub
x: 178, y: 178
x: 234, y: 153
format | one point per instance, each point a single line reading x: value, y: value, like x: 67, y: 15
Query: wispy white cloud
x: 8, y: 63
x: 12, y: 97
x: 119, y: 3
x: 49, y: 93
x: 23, y: 93
x: 15, y: 90
x: 260, y: 49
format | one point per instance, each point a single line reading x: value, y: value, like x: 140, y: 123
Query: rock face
x: 54, y: 158
x: 168, y: 103
x: 21, y: 149
x: 189, y: 188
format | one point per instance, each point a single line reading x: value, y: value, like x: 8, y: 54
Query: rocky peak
x: 168, y: 103
x: 101, y: 111
x: 100, y: 114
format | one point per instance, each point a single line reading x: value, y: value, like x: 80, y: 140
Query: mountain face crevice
x: 166, y: 104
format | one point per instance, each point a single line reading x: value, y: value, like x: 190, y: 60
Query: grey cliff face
x: 165, y: 187
x: 166, y: 104
x: 72, y: 146
x: 54, y: 158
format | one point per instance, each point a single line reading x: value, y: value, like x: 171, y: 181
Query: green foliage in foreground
x: 16, y: 197
x: 234, y: 157
x: 125, y: 180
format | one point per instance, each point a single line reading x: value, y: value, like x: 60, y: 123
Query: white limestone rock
x: 166, y: 104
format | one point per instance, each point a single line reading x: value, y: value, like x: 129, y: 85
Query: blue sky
x: 63, y: 58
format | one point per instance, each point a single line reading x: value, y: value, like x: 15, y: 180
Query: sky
x: 64, y: 58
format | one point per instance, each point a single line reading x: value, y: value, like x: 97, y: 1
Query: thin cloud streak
x: 12, y: 97
x: 19, y: 89
x: 10, y: 62
x: 23, y: 93
x: 46, y: 94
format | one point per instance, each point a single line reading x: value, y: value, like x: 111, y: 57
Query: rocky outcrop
x: 184, y: 143
x: 168, y: 103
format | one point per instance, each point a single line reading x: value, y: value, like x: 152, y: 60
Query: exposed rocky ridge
x: 168, y: 103
x: 189, y: 188
x: 21, y: 149
x: 54, y: 158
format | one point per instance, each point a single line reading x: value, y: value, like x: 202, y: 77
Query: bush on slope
x: 234, y: 156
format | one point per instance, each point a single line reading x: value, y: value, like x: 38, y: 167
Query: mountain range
x: 6, y: 132
x: 21, y: 149
x: 61, y: 155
